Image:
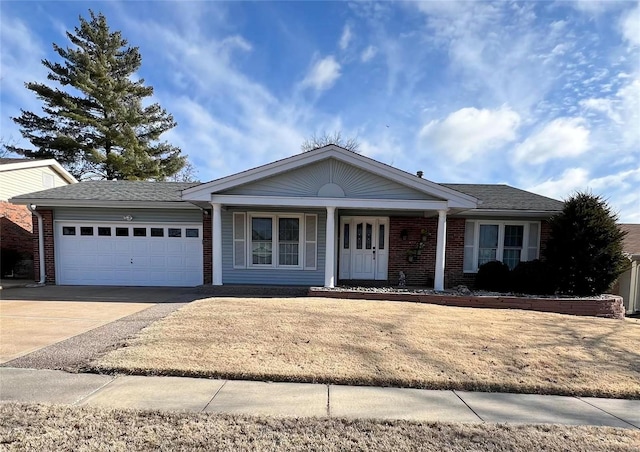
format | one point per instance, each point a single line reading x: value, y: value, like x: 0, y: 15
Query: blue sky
x: 544, y: 96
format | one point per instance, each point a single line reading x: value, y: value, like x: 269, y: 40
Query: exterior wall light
x: 127, y: 218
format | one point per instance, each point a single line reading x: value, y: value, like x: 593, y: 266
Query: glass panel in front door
x: 369, y: 238
x: 359, y: 236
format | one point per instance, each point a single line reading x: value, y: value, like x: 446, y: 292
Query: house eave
x: 104, y: 204
x: 40, y: 163
x: 508, y: 213
x: 316, y: 202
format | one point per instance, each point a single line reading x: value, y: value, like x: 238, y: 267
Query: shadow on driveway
x: 103, y: 294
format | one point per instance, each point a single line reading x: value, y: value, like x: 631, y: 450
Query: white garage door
x: 128, y: 254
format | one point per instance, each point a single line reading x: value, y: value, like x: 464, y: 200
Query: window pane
x: 261, y: 241
x: 157, y: 232
x: 191, y: 232
x: 139, y: 232
x: 513, y: 236
x: 68, y: 230
x: 288, y: 229
x: 174, y: 232
x: 488, y: 249
x: 122, y: 232
x: 289, y: 237
x: 359, y: 236
x: 86, y: 230
x: 381, y: 237
x: 511, y: 257
x: 486, y: 255
x: 104, y: 231
x: 288, y: 253
x: 368, y: 237
x: 261, y: 229
x: 345, y: 238
x: 488, y: 236
x: 261, y: 252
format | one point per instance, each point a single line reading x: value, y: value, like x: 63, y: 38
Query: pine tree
x: 584, y: 250
x: 94, y: 122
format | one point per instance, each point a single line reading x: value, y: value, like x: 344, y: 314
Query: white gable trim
x: 37, y: 164
x: 204, y: 192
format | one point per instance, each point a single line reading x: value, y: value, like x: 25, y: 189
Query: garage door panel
x: 122, y: 245
x: 140, y: 246
x: 136, y: 259
x: 104, y: 245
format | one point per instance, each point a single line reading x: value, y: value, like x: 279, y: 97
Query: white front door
x: 364, y: 248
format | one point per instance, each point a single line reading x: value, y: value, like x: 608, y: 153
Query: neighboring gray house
x: 313, y: 219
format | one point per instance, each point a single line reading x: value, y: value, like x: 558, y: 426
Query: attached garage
x: 121, y: 233
x: 128, y: 254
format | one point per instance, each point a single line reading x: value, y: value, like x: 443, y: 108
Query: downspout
x: 43, y: 276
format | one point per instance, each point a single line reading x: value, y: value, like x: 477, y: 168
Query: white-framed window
x: 507, y: 241
x: 267, y: 240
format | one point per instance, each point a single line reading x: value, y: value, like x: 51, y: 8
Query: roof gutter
x: 43, y: 276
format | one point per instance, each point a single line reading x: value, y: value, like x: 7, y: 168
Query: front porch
x: 321, y: 216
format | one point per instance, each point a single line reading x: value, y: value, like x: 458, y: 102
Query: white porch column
x: 438, y: 280
x: 330, y: 246
x: 216, y: 242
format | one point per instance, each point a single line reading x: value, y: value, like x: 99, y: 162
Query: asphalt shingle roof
x: 505, y: 197
x: 498, y: 197
x: 121, y: 190
x: 631, y: 243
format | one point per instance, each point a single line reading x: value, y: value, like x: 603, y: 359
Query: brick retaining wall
x: 610, y: 307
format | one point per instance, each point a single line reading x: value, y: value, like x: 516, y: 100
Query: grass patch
x: 389, y: 344
x: 46, y: 427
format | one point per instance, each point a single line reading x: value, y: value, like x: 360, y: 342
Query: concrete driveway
x: 33, y: 318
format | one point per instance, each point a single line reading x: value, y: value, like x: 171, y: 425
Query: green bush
x: 584, y: 251
x: 532, y: 277
x: 493, y: 276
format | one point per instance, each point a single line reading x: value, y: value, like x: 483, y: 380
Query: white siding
x: 28, y: 180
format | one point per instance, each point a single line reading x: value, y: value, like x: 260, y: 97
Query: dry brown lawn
x: 389, y: 343
x: 42, y: 427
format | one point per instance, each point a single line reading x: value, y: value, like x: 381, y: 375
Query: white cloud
x: 593, y: 7
x: 620, y: 188
x: 623, y: 109
x: 235, y: 42
x: 346, y: 37
x: 323, y: 74
x: 368, y: 53
x: 469, y: 132
x: 630, y: 26
x: 561, y: 138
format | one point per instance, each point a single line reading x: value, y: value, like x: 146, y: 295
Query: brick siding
x: 16, y: 228
x: 421, y: 271
x: 610, y: 307
x: 16, y: 234
x: 49, y: 259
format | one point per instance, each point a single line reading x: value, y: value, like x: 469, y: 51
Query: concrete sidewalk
x: 320, y: 400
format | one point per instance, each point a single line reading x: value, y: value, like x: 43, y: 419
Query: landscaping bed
x: 609, y: 306
x: 388, y: 344
x: 43, y: 427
